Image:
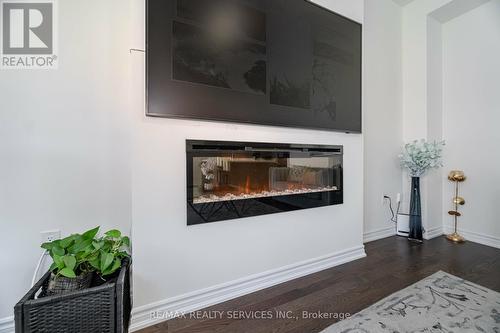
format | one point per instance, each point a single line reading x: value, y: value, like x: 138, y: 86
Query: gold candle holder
x: 456, y: 176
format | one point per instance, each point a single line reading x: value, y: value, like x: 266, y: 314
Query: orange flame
x: 247, y: 185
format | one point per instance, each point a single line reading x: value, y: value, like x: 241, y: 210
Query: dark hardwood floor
x: 392, y: 264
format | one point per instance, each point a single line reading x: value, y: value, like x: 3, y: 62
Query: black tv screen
x: 270, y: 62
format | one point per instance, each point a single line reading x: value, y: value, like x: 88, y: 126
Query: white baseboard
x: 142, y: 316
x: 7, y: 325
x: 476, y: 237
x: 371, y: 236
x: 374, y: 235
x: 433, y: 232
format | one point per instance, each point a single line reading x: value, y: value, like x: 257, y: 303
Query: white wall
x: 471, y: 114
x: 423, y: 89
x: 421, y: 108
x: 434, y: 115
x: 77, y: 151
x: 414, y: 34
x: 382, y: 113
x: 171, y: 259
x: 64, y: 141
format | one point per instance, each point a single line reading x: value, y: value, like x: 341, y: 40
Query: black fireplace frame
x: 199, y: 213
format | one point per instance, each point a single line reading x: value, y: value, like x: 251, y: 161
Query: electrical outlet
x: 50, y: 235
x: 384, y: 197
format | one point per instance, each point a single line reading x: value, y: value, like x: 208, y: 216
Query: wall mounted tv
x: 270, y: 62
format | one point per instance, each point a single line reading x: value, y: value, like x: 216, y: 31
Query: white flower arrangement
x: 420, y: 156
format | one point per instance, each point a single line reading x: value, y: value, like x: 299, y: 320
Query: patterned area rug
x: 440, y: 303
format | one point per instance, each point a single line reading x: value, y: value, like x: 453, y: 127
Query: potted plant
x: 77, y: 257
x: 418, y: 157
x: 87, y: 288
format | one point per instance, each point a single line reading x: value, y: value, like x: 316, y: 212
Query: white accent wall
x: 179, y: 267
x: 471, y: 116
x: 174, y: 262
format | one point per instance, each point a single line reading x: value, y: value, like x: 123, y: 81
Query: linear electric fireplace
x: 229, y: 180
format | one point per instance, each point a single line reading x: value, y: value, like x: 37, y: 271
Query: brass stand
x: 457, y: 177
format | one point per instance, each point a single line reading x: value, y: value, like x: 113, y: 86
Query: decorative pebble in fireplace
x: 228, y: 180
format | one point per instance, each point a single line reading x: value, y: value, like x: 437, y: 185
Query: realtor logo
x: 28, y: 30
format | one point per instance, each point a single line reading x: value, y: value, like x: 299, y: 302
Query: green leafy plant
x: 84, y: 253
x: 110, y: 251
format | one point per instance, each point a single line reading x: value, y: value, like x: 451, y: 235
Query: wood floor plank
x: 391, y: 265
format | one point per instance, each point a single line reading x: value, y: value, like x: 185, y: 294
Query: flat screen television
x: 269, y: 62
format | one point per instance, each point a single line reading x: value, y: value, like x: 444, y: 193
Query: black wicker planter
x: 101, y: 309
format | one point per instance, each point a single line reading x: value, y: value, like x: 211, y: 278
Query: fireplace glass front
x: 228, y: 180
